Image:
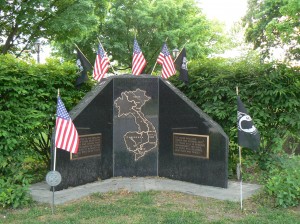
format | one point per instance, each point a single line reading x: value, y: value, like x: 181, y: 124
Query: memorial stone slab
x: 135, y: 127
x: 143, y: 126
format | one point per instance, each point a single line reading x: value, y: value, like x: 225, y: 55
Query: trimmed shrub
x: 27, y: 113
x: 270, y: 92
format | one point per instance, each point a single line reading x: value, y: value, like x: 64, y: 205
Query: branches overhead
x: 274, y: 24
x: 23, y: 22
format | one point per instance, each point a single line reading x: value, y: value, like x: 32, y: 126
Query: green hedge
x: 271, y: 93
x: 28, y: 94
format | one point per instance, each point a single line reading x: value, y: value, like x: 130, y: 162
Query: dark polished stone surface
x: 135, y: 126
x: 91, y: 116
x: 178, y: 114
x: 137, y: 117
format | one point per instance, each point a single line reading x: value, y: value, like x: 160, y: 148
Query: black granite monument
x: 143, y: 126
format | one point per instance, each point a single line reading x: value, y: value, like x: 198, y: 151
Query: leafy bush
x: 284, y: 182
x: 27, y: 107
x: 13, y: 193
x: 270, y: 92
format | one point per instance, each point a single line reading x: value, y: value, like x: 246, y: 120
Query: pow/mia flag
x: 181, y: 66
x: 84, y: 66
x: 248, y: 135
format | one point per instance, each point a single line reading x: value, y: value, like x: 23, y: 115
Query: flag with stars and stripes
x: 138, y: 60
x: 165, y: 59
x: 101, y: 64
x: 66, y: 136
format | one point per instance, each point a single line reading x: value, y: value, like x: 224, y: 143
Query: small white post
x: 241, y: 179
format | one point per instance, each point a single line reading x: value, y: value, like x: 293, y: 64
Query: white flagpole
x: 241, y: 179
x: 240, y: 166
x: 54, y: 160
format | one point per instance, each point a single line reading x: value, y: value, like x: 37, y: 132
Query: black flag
x: 84, y: 66
x: 181, y: 66
x: 248, y: 135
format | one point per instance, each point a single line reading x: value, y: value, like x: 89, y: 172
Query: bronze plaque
x: 191, y: 145
x: 89, y: 145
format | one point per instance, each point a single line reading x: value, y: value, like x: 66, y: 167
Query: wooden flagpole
x: 153, y: 67
x: 82, y: 54
x: 105, y: 52
x: 156, y: 60
x: 240, y: 166
x: 182, y: 49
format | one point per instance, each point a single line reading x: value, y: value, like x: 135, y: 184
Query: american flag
x: 165, y: 59
x: 138, y: 60
x: 66, y: 136
x: 101, y: 64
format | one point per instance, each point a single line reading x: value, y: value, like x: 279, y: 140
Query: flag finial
x: 237, y: 90
x: 57, y: 92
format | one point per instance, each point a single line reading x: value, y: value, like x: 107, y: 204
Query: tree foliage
x: 152, y: 22
x: 23, y: 22
x: 274, y: 23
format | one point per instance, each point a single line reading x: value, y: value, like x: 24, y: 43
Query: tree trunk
x: 9, y: 41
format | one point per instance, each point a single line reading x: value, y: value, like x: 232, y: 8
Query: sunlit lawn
x: 150, y: 207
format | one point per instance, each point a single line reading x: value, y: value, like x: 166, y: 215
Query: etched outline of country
x: 131, y: 102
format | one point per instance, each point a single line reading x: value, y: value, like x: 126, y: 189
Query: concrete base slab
x: 40, y: 192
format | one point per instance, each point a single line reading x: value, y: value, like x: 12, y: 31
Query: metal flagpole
x: 103, y: 49
x: 53, y: 178
x: 54, y: 167
x: 53, y: 200
x: 54, y: 162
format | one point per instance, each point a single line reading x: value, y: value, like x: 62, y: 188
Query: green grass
x: 150, y: 207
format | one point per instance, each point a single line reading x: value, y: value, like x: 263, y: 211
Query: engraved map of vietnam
x: 145, y: 138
